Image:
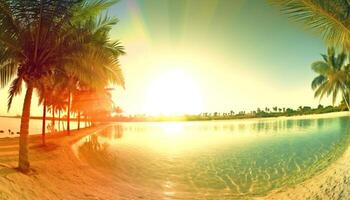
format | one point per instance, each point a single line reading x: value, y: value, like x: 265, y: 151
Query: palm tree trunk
x: 78, y: 120
x: 68, y: 113
x: 44, y: 123
x: 53, y: 119
x: 63, y: 125
x: 23, y: 162
x: 346, y: 102
x: 59, y: 120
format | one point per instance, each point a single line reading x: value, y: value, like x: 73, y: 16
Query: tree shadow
x: 6, y: 170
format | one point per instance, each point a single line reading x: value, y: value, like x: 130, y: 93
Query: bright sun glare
x: 173, y: 92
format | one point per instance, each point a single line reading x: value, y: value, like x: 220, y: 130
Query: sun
x: 174, y: 92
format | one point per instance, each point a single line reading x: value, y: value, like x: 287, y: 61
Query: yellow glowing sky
x: 191, y: 56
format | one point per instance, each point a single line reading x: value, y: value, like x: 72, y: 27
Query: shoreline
x: 331, y: 183
x: 294, y: 117
x: 57, y: 173
x: 181, y: 118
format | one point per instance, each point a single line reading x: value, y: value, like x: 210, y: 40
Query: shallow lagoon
x: 216, y: 159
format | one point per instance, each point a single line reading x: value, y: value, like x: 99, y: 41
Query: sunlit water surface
x: 216, y: 159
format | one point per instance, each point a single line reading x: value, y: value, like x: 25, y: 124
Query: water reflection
x: 226, y: 159
x: 269, y: 126
x: 113, y: 132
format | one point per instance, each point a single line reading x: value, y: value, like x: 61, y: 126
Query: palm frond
x: 116, y: 48
x: 320, y: 67
x: 331, y: 57
x: 340, y: 61
x: 317, y: 81
x: 7, y: 73
x: 15, y: 89
x: 326, y: 90
x: 104, y: 24
x: 7, y: 18
x: 325, y: 58
x: 322, y: 16
x: 90, y: 9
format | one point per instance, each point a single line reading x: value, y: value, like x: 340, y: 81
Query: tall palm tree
x: 333, y: 76
x: 27, y: 29
x: 330, y: 18
x: 33, y: 41
x: 44, y: 87
x: 61, y: 104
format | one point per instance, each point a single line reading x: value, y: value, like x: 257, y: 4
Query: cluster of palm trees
x: 333, y: 76
x: 57, y: 48
x: 330, y: 19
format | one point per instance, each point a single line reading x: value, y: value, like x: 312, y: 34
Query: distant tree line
x: 258, y: 113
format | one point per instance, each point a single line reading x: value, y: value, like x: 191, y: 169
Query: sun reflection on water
x: 172, y: 128
x: 230, y: 158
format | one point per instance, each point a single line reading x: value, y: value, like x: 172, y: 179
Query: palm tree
x: 300, y: 108
x: 27, y: 29
x: 100, y: 66
x: 330, y: 18
x: 332, y: 77
x: 275, y: 108
x: 60, y: 106
x: 43, y: 92
x: 35, y: 38
x: 55, y: 93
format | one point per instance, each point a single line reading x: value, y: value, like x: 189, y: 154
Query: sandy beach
x: 58, y: 174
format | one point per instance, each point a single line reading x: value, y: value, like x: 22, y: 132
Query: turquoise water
x: 216, y: 159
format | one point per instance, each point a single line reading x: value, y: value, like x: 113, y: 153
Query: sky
x: 190, y: 56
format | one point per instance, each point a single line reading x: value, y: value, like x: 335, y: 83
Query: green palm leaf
x: 328, y: 18
x: 15, y: 89
x: 318, y: 81
x: 320, y: 67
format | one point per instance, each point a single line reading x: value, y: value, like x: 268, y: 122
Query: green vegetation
x: 259, y: 113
